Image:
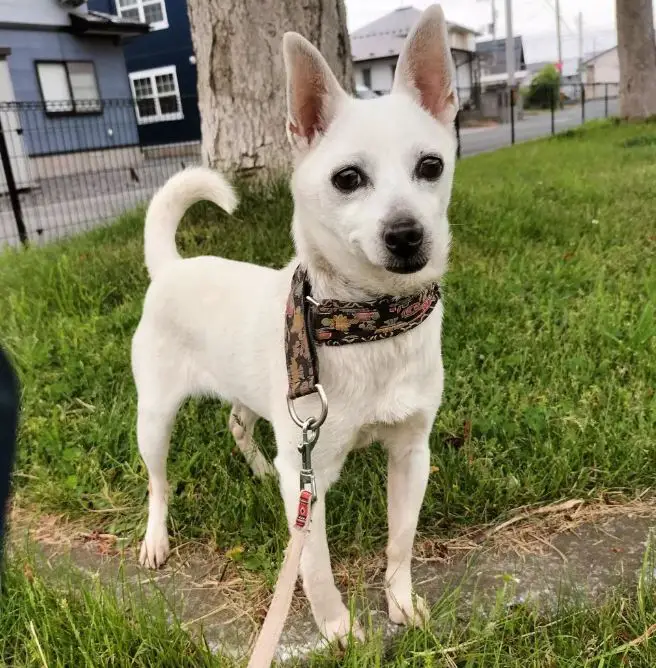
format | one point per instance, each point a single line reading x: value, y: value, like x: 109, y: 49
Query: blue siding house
x: 162, y: 69
x: 63, y: 85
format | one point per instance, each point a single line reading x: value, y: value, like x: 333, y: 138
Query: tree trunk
x: 241, y: 77
x: 637, y: 55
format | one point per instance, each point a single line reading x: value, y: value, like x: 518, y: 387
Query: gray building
x: 492, y: 56
x: 62, y: 74
x: 376, y: 47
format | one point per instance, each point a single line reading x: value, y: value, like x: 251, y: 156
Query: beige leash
x: 267, y: 640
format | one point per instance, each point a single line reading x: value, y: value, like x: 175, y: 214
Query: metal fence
x: 64, y: 171
x: 502, y: 117
x: 69, y: 168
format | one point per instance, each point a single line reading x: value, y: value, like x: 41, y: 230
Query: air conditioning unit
x: 72, y: 4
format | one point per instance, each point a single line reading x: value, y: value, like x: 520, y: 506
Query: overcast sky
x: 533, y: 19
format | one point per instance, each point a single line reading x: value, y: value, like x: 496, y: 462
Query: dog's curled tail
x: 169, y: 205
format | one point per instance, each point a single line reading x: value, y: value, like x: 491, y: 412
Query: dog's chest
x: 386, y: 381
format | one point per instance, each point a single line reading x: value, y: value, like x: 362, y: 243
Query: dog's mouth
x: 408, y: 266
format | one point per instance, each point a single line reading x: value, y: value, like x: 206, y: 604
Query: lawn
x: 549, y: 349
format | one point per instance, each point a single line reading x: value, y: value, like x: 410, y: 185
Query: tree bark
x: 637, y: 55
x: 241, y: 77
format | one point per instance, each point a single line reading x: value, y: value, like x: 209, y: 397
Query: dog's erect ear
x: 425, y: 68
x: 313, y: 92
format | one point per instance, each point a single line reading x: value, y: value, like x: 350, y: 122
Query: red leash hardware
x: 304, y: 501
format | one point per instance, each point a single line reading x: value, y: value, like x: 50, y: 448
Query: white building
x: 376, y: 47
x: 601, y: 75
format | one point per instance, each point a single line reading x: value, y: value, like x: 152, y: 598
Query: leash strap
x: 331, y: 322
x: 267, y: 641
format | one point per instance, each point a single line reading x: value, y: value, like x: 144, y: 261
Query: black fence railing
x: 69, y: 167
x: 66, y: 169
x: 503, y: 116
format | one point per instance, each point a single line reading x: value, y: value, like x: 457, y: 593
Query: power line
x: 562, y: 20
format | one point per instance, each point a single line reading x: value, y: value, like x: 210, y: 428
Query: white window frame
x: 151, y: 74
x: 139, y: 6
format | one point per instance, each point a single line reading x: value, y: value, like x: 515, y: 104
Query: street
x: 480, y: 140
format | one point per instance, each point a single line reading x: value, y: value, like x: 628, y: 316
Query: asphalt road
x: 480, y: 140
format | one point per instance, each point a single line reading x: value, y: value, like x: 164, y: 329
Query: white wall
x: 382, y: 73
x: 39, y: 12
x: 605, y: 69
x: 463, y: 75
x: 463, y: 40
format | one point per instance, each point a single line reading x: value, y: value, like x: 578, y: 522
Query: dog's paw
x: 154, y: 549
x: 261, y: 467
x: 408, y: 611
x: 339, y: 630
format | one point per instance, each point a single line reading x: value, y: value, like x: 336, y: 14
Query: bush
x: 544, y: 87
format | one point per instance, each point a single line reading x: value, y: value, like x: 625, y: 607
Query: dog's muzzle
x: 405, y: 243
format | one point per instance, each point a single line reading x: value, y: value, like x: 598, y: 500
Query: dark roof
x: 99, y: 23
x: 384, y: 37
x: 494, y: 52
x: 538, y: 66
x: 489, y: 45
x: 596, y: 55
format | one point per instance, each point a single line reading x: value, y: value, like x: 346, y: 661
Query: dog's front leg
x: 330, y: 613
x: 408, y: 469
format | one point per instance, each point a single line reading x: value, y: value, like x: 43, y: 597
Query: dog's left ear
x: 313, y: 92
x: 425, y: 68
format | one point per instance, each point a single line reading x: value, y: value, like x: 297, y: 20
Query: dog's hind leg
x: 242, y: 423
x: 154, y: 424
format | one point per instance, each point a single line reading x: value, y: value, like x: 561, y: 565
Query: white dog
x: 371, y: 188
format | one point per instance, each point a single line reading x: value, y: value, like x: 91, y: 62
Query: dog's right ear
x: 313, y: 92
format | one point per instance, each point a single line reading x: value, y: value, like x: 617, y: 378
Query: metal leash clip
x: 310, y: 435
x: 308, y: 441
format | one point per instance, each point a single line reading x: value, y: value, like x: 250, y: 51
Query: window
x: 152, y: 12
x: 157, y: 95
x: 69, y: 87
x: 366, y: 77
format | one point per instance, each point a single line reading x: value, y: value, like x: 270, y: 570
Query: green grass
x: 72, y: 622
x: 69, y: 621
x: 549, y: 347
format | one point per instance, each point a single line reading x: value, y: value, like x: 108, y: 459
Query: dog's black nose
x: 404, y: 237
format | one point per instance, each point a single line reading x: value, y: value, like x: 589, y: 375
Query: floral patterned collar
x: 331, y: 322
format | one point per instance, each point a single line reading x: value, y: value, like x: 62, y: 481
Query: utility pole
x: 560, y: 41
x: 510, y: 46
x: 493, y: 23
x: 580, y: 40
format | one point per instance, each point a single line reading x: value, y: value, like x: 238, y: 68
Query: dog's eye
x: 349, y: 179
x: 429, y: 168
